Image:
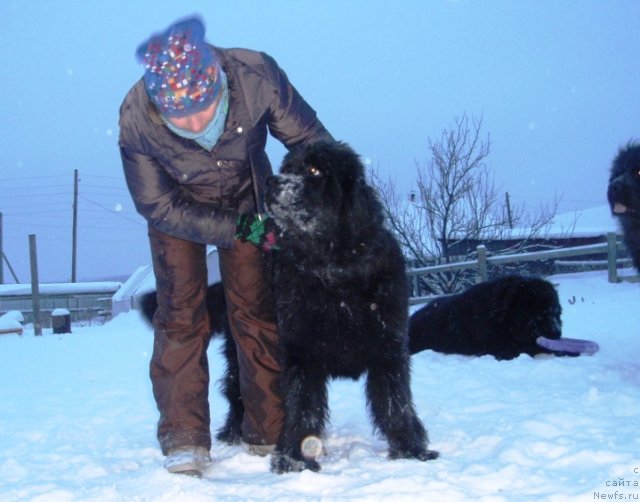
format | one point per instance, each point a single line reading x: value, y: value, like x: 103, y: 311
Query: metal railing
x: 482, y: 263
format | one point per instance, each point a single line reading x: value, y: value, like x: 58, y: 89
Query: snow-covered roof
x: 77, y: 288
x: 143, y: 281
x: 11, y: 322
x: 590, y: 222
x: 585, y: 223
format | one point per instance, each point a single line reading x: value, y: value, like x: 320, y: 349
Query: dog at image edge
x: 623, y: 194
x: 341, y: 300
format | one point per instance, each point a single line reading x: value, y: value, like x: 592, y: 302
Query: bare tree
x: 456, y: 202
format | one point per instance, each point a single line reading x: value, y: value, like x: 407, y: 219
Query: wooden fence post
x: 612, y: 256
x: 35, y: 288
x: 482, y: 263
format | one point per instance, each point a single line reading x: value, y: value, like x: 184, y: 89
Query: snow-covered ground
x: 77, y: 421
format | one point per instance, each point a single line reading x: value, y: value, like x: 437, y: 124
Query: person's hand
x: 259, y: 230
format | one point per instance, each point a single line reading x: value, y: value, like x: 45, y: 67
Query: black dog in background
x: 623, y: 194
x: 503, y: 318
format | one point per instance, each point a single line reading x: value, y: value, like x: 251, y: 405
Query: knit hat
x: 182, y: 73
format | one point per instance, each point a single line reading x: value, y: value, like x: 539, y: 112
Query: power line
x: 122, y: 194
x: 120, y: 178
x: 116, y: 213
x: 100, y: 211
x: 121, y: 189
x: 37, y: 211
x: 32, y: 195
x: 40, y: 204
x: 2, y: 180
x: 31, y: 187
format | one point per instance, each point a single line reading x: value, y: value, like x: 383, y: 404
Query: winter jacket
x: 188, y: 192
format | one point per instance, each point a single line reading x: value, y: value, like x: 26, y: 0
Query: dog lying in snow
x: 505, y: 317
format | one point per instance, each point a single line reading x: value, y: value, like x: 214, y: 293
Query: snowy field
x: 77, y: 421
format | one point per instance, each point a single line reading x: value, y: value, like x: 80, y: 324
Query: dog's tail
x: 216, y: 307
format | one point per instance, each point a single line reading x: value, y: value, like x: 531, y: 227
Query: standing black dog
x: 503, y: 318
x: 341, y: 300
x: 342, y: 304
x: 623, y: 194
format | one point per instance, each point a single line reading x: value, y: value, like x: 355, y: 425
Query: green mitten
x: 258, y: 230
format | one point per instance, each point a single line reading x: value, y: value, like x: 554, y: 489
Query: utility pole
x: 13, y: 272
x: 508, y: 209
x: 74, y: 240
x: 3, y: 257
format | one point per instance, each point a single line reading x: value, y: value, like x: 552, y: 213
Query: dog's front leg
x: 306, y: 406
x: 391, y: 405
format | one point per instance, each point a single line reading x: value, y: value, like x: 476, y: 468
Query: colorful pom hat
x: 182, y: 73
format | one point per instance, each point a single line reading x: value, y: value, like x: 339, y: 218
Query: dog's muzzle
x: 617, y: 195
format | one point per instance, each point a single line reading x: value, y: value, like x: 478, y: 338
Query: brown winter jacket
x: 188, y: 192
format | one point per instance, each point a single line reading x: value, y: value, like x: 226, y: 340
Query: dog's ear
x: 362, y: 207
x: 627, y: 161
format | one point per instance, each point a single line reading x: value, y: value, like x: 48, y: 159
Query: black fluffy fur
x: 623, y: 193
x: 502, y: 318
x: 342, y: 305
x: 342, y: 302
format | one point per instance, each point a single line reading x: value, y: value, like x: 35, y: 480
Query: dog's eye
x: 314, y: 171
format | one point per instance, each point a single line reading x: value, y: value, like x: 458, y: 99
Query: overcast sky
x: 555, y: 81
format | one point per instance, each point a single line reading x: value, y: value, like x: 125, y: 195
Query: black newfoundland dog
x: 623, y: 194
x: 342, y: 306
x: 342, y: 302
x: 504, y: 318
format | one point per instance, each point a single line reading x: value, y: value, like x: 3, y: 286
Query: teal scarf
x: 208, y: 137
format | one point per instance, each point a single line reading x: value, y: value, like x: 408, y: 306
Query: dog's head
x: 623, y: 191
x: 321, y: 193
x: 539, y: 310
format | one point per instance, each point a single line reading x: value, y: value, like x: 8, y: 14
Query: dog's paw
x: 422, y: 454
x: 428, y: 455
x: 281, y: 463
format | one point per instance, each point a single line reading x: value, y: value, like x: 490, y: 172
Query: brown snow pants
x: 179, y: 367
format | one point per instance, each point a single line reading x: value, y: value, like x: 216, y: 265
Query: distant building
x: 83, y: 300
x: 143, y: 281
x: 572, y: 229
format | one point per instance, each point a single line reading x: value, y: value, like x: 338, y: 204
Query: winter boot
x: 190, y: 460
